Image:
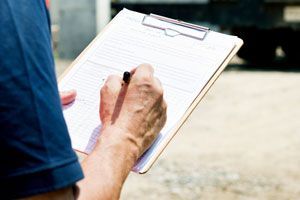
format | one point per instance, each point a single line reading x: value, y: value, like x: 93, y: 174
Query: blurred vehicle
x: 264, y: 25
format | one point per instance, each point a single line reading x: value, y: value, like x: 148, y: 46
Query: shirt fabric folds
x: 35, y: 149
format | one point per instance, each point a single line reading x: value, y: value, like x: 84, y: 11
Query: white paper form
x: 184, y: 66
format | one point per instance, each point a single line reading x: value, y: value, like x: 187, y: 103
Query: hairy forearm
x: 107, y: 167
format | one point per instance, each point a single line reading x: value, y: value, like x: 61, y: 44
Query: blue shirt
x: 35, y: 148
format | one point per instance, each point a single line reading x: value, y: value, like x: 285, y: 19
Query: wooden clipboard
x: 172, y: 133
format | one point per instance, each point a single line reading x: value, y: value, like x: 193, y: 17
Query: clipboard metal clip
x: 173, y: 27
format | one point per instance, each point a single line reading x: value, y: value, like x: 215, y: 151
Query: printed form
x: 184, y: 66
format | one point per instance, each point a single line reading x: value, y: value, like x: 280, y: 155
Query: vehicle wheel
x: 291, y: 46
x: 259, y: 45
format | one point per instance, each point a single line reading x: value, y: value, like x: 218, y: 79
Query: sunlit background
x: 243, y: 140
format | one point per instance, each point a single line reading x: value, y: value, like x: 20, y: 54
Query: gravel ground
x: 242, y: 142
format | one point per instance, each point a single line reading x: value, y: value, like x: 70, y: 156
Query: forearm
x: 107, y: 167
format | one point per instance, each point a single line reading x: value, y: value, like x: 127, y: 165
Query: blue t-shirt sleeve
x: 35, y: 148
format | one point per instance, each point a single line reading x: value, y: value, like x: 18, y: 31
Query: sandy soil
x: 241, y: 143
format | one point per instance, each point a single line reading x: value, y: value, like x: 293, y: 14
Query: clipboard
x: 171, y: 28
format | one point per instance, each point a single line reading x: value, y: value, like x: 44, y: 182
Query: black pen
x: 126, y: 77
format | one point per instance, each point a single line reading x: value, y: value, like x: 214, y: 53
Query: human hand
x: 132, y: 115
x: 137, y: 109
x: 67, y: 96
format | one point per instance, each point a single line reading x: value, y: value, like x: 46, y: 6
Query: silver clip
x: 173, y: 27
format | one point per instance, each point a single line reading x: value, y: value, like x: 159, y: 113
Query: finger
x: 67, y: 96
x: 113, y: 84
x: 143, y: 71
x: 109, y: 95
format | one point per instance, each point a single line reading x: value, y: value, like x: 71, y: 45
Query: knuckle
x: 144, y: 73
x: 145, y: 79
x: 112, y: 84
x: 111, y: 78
x: 104, y: 89
x: 164, y: 105
x: 146, y: 66
x: 158, y: 87
x: 159, y: 90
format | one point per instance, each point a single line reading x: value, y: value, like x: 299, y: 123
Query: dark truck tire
x: 291, y: 46
x: 259, y: 45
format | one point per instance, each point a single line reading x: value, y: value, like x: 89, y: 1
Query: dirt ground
x: 241, y: 143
